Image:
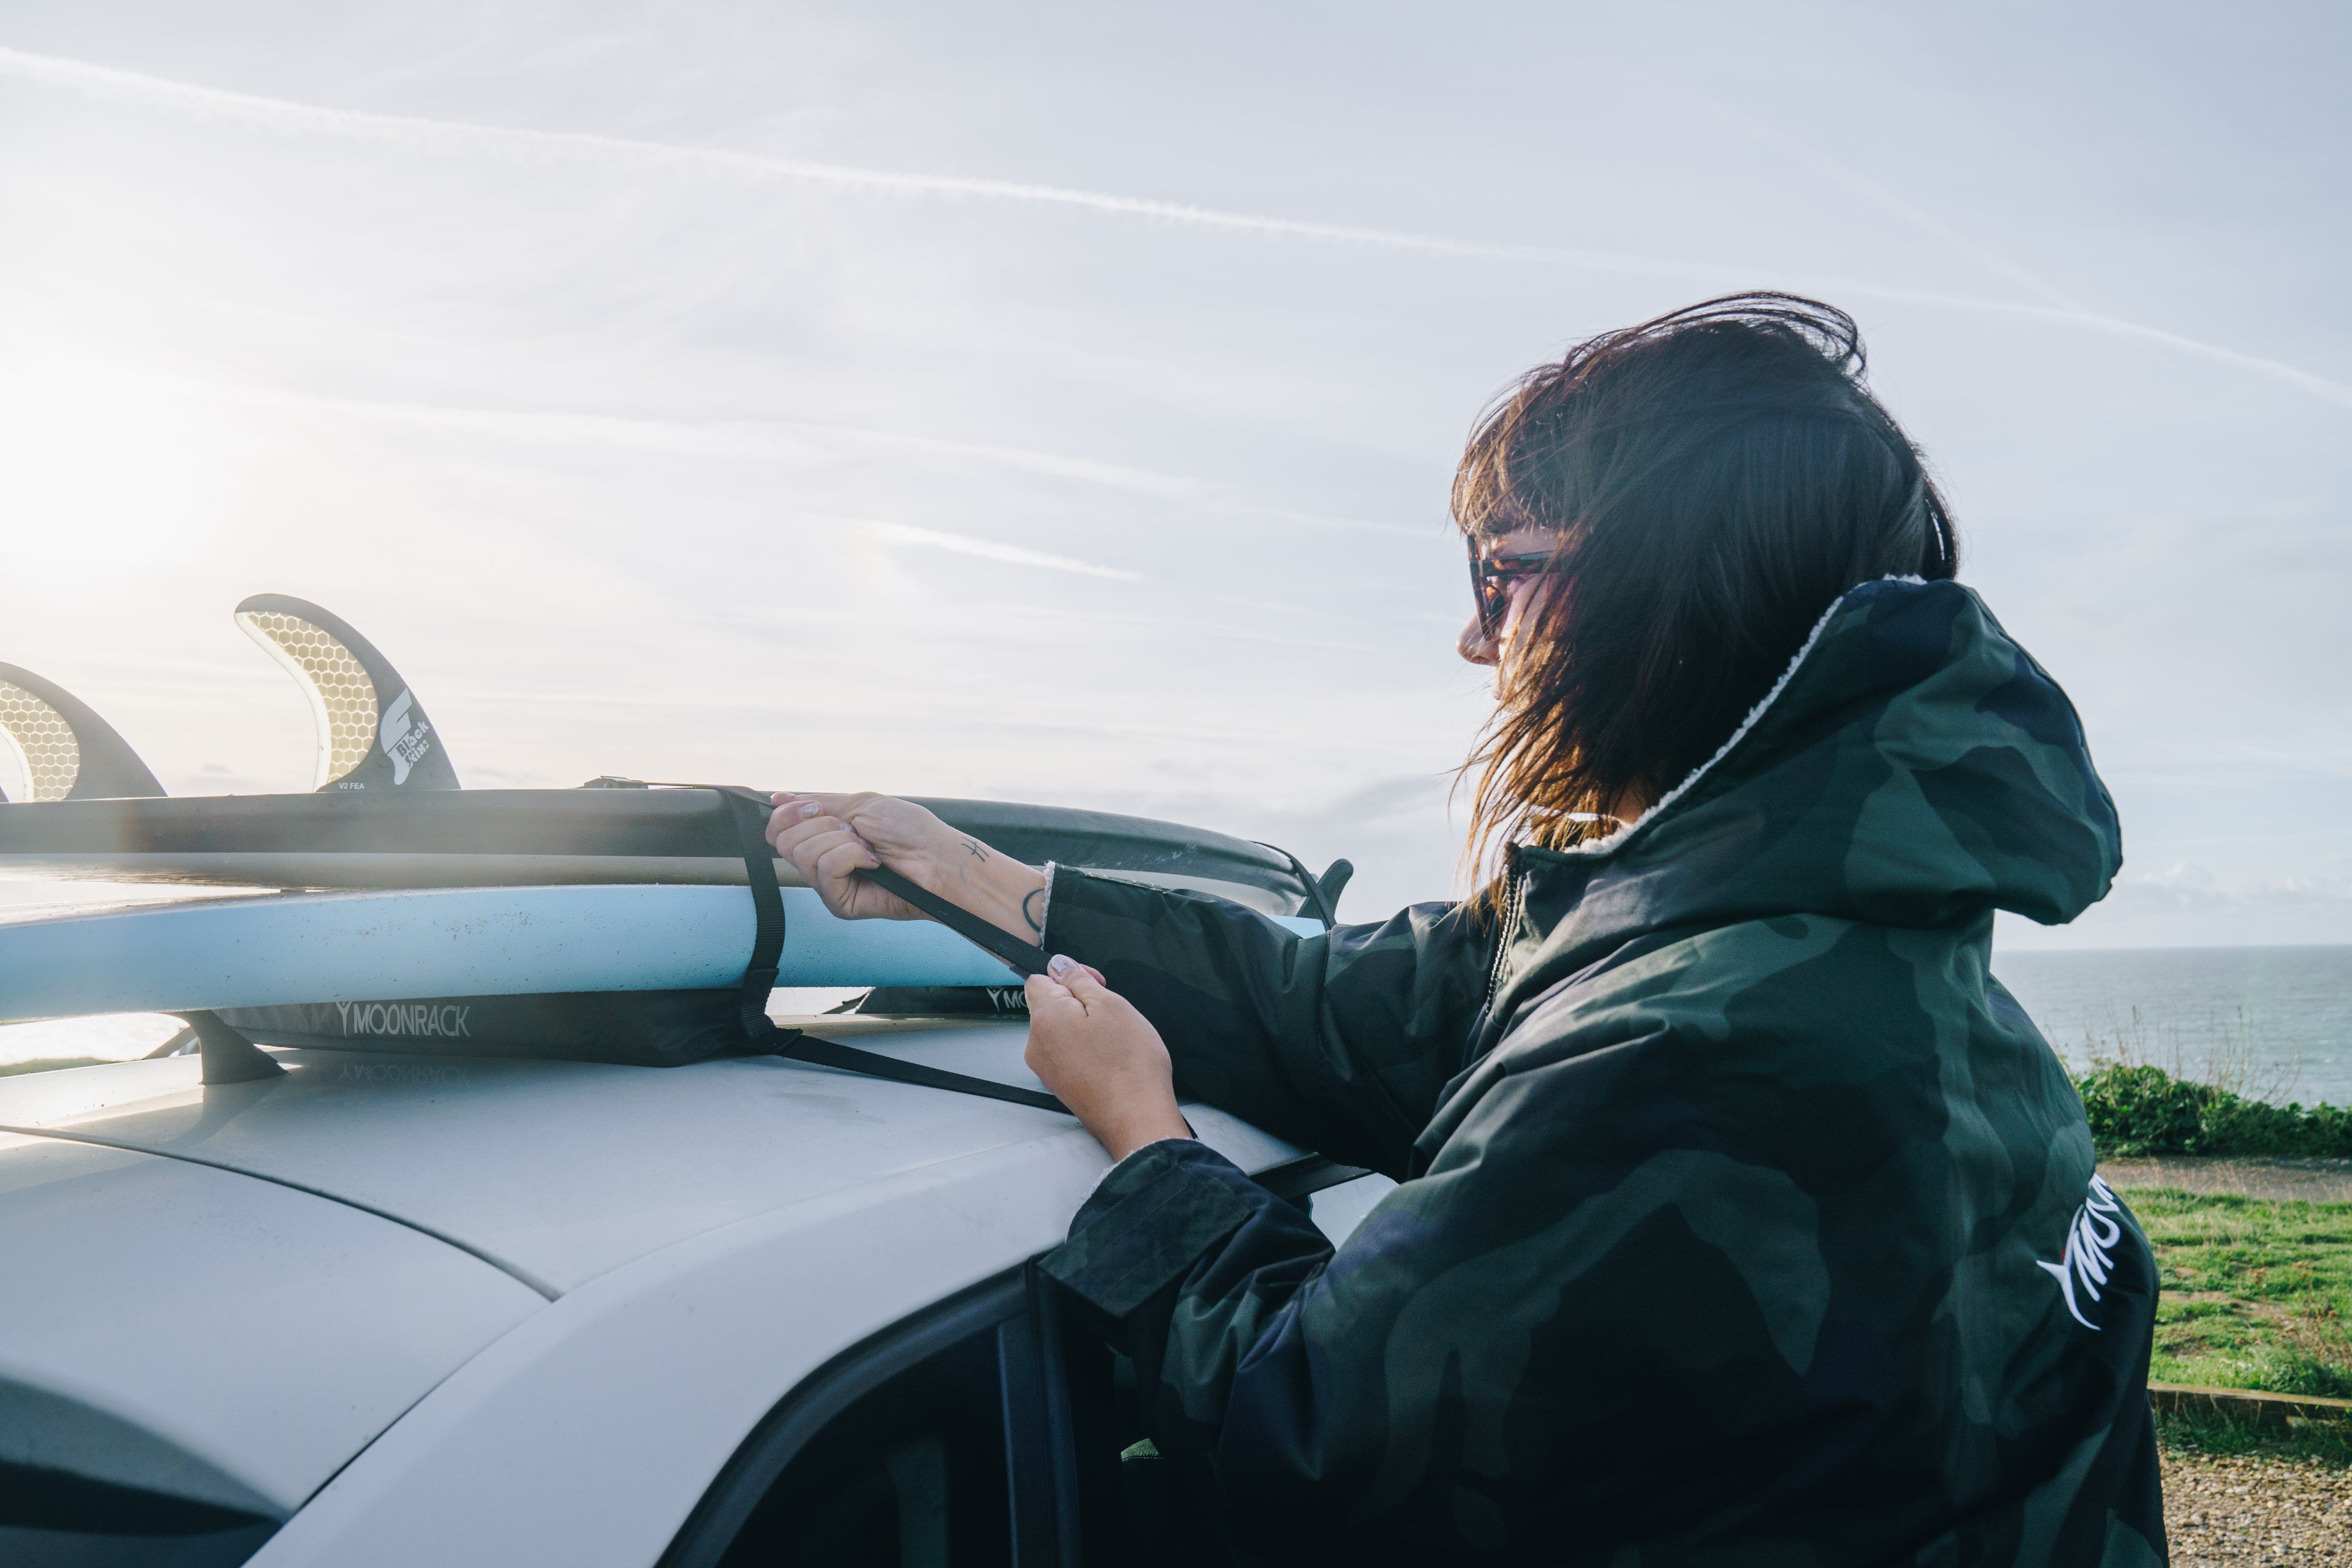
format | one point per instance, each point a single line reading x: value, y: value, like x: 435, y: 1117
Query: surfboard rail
x: 474, y: 838
x: 276, y: 950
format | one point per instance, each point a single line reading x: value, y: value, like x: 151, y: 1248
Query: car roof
x: 210, y: 1255
x: 184, y: 1331
x: 557, y: 1171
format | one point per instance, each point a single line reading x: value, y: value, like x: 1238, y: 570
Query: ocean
x: 2275, y: 1022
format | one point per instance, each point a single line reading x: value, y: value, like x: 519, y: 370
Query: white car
x: 409, y: 1309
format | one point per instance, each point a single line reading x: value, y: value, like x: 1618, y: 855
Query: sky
x: 1057, y: 402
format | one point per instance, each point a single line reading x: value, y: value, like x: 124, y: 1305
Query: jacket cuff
x: 1064, y: 887
x: 1152, y: 1219
x: 1044, y: 910
x: 1138, y: 1152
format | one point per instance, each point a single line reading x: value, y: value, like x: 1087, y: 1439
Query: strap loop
x: 750, y: 813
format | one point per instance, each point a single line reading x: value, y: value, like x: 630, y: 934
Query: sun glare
x: 98, y: 469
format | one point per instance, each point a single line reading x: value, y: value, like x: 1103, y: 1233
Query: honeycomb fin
x: 372, y: 732
x: 67, y: 752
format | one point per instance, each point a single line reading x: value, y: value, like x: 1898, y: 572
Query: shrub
x: 51, y: 1063
x: 2143, y: 1110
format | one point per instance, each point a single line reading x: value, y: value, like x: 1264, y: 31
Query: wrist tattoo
x: 1029, y: 910
x: 979, y: 852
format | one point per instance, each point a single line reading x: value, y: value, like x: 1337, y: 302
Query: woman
x: 1744, y: 1216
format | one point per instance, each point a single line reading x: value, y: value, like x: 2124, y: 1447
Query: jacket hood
x: 1913, y: 767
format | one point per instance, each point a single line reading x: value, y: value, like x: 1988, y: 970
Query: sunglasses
x: 1491, y: 577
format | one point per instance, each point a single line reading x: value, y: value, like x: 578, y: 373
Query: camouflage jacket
x: 1745, y: 1217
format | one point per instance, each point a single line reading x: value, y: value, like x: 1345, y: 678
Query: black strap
x: 750, y: 813
x: 873, y: 1064
x: 751, y: 816
x: 1023, y: 956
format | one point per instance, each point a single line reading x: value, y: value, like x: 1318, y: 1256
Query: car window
x: 992, y: 1429
x: 1135, y: 1509
x: 937, y: 1441
x: 911, y: 1475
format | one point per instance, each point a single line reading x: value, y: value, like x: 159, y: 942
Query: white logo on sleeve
x: 2088, y: 1257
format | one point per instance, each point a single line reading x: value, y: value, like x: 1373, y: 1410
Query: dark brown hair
x: 1717, y: 476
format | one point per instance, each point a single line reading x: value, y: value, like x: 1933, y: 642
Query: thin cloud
x: 989, y: 549
x: 532, y: 148
x: 1886, y: 201
x: 765, y: 440
x: 754, y: 440
x: 552, y: 148
x: 1176, y: 626
x: 1441, y: 529
x: 2319, y: 386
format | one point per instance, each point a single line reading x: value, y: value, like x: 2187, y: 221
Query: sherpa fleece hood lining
x: 1624, y: 833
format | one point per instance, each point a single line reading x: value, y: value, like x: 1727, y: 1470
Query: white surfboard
x: 277, y: 949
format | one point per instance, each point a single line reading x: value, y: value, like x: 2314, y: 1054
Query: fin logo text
x: 404, y: 740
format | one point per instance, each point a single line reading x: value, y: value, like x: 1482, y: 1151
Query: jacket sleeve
x: 1523, y: 1340
x: 1308, y: 1402
x: 1340, y: 1042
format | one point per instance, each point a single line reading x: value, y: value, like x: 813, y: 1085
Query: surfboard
x: 388, y: 812
x: 483, y: 838
x: 282, y: 948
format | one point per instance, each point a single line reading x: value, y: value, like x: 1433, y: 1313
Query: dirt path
x: 2313, y: 1180
x: 2244, y: 1510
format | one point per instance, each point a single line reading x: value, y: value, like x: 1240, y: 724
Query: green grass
x: 2256, y: 1294
x: 49, y: 1064
x: 2204, y: 1432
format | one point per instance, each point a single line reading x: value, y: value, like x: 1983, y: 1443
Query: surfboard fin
x: 68, y: 751
x: 1333, y: 880
x: 229, y: 1056
x: 372, y: 732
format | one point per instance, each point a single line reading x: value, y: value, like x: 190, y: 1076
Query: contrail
x: 989, y: 549
x: 1888, y: 202
x: 752, y: 439
x: 545, y: 148
x: 2319, y: 386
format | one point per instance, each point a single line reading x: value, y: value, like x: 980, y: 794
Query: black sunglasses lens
x: 1490, y: 579
x: 1494, y: 598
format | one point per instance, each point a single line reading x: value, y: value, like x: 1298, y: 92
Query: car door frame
x: 1017, y: 1312
x: 1023, y: 1310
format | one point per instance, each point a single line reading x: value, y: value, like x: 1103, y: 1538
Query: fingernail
x: 1058, y: 966
x: 809, y: 809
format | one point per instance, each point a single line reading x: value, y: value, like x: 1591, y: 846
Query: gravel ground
x: 2313, y: 1180
x: 2238, y: 1508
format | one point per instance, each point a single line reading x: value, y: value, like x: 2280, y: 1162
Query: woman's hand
x: 828, y: 837
x: 1102, y: 1059
x: 831, y: 837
